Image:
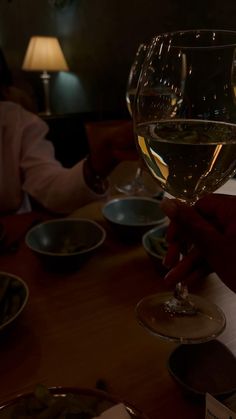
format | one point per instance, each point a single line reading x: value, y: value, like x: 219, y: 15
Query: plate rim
x: 57, y: 390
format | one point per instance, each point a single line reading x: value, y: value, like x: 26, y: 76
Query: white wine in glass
x: 185, y: 123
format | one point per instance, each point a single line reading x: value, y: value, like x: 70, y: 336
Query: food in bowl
x: 155, y: 244
x: 65, y: 241
x: 69, y: 247
x: 14, y: 295
x: 64, y: 403
x: 158, y: 245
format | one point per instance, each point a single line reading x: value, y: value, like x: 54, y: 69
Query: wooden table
x: 81, y: 327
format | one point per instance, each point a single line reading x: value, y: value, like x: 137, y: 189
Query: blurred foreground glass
x: 140, y: 184
x: 185, y: 123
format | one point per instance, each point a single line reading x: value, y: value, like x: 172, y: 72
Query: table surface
x: 80, y: 327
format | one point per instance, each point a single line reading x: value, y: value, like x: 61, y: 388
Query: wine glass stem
x: 139, y: 172
x: 180, y: 302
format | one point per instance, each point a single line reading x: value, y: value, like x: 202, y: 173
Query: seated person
x: 28, y: 165
x: 8, y: 91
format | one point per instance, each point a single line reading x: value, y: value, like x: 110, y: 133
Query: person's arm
x: 64, y: 190
x: 57, y: 188
x: 209, y: 230
x: 110, y: 142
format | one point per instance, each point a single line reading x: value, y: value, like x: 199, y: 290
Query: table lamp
x: 44, y: 54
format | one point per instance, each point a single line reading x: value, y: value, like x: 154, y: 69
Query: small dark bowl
x: 132, y: 216
x: 65, y: 242
x: 209, y: 367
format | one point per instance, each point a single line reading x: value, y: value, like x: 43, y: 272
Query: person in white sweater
x: 28, y: 166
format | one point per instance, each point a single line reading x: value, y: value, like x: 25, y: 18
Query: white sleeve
x: 57, y: 188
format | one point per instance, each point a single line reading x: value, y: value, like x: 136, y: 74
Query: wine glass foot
x: 205, y: 323
x: 130, y: 189
x: 136, y: 188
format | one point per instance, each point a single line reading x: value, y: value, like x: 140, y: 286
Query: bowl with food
x: 65, y: 242
x: 14, y: 294
x: 132, y: 216
x: 155, y: 244
x: 65, y: 403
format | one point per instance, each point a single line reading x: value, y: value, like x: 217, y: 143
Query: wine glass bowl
x: 133, y: 78
x: 186, y: 104
x: 185, y: 125
x: 139, y: 184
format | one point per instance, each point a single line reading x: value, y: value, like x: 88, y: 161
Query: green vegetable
x: 43, y: 395
x: 45, y: 405
x: 12, y: 295
x: 158, y: 245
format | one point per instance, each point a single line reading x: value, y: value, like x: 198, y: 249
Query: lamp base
x: 44, y: 113
x: 45, y: 76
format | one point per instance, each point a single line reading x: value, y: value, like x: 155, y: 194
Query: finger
x: 185, y: 267
x: 172, y: 231
x: 170, y: 207
x: 172, y: 256
x: 192, y: 278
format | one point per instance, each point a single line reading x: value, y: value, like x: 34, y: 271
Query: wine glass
x: 139, y: 185
x: 185, y: 124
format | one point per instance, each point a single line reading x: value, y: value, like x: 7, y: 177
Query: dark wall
x: 99, y: 39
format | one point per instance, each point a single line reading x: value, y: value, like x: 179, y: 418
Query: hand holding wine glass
x: 210, y: 227
x: 185, y: 118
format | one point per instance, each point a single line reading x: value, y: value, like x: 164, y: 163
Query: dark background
x: 99, y: 39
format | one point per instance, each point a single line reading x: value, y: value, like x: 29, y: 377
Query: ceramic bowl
x: 14, y: 295
x: 132, y: 216
x: 209, y: 367
x: 65, y: 242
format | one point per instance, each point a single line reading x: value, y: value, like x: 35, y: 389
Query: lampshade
x: 44, y: 54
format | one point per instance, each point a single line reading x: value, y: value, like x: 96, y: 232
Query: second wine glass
x: 142, y: 183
